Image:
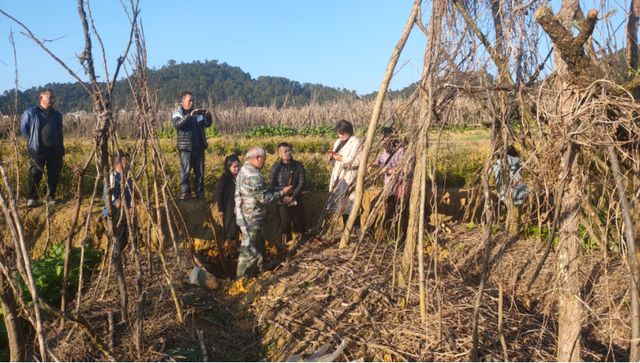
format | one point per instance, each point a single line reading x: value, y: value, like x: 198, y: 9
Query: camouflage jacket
x: 252, y: 196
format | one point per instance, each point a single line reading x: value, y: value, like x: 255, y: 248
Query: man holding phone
x: 192, y: 142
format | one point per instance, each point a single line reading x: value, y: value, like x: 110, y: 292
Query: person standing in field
x: 42, y: 127
x: 120, y: 228
x: 284, y: 173
x: 345, y: 160
x: 398, y: 200
x: 225, y: 196
x: 252, y: 197
x: 192, y: 142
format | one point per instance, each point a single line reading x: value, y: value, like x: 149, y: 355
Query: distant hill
x: 401, y: 93
x: 474, y: 79
x: 208, y: 80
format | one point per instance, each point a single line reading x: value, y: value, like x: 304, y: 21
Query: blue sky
x: 345, y: 44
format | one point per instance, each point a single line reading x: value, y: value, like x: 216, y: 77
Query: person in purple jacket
x: 387, y: 163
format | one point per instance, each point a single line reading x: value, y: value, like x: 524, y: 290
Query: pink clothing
x: 395, y: 160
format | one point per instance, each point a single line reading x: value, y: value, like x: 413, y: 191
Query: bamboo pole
x: 362, y: 168
x: 74, y: 223
x: 10, y: 208
x: 84, y: 238
x: 634, y: 354
x: 488, y: 207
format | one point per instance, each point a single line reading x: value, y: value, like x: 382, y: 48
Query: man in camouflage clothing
x: 252, y: 197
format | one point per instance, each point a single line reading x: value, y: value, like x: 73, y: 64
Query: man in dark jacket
x: 192, y: 142
x: 42, y: 126
x: 284, y: 173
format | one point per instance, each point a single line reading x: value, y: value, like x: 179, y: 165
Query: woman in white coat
x: 345, y: 157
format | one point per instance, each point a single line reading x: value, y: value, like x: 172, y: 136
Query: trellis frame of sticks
x: 572, y: 123
x: 151, y: 195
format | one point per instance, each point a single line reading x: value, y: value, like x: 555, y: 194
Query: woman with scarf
x: 225, y: 193
x: 345, y: 158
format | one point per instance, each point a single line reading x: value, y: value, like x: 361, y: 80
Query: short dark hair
x: 344, y: 126
x: 386, y: 131
x: 46, y: 90
x: 284, y: 144
x: 228, y: 161
x: 118, y: 157
x: 185, y: 93
x: 512, y: 151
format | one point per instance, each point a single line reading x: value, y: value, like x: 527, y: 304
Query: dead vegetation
x: 320, y: 296
x: 448, y: 292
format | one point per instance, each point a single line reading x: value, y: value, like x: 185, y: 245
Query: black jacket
x: 279, y: 177
x: 225, y: 197
x: 182, y: 122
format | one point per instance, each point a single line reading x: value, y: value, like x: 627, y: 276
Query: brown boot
x: 284, y: 240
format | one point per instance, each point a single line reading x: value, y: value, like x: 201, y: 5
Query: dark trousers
x: 293, y: 214
x: 53, y: 164
x: 356, y: 223
x: 192, y: 160
x: 121, y: 234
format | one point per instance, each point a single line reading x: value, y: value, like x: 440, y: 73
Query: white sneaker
x: 31, y: 203
x: 52, y: 201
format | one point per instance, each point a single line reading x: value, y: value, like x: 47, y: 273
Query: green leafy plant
x: 587, y: 241
x: 535, y: 232
x: 459, y: 247
x: 318, y: 131
x: 211, y: 132
x: 304, y: 285
x: 48, y: 271
x: 268, y: 130
x: 221, y: 316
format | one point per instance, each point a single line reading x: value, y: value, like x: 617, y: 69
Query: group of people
x: 242, y: 194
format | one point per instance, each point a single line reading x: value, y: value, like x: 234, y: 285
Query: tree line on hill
x: 209, y: 81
